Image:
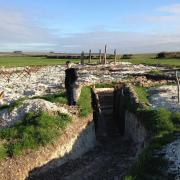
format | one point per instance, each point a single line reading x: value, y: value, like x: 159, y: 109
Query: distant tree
x: 17, y: 52
x: 161, y: 55
x: 126, y: 56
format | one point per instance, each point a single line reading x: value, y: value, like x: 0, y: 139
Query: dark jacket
x: 70, y: 77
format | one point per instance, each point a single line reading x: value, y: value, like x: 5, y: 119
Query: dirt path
x: 110, y: 160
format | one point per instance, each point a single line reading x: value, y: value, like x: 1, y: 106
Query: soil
x: 109, y: 160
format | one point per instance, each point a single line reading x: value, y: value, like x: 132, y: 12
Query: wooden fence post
x: 105, y: 54
x: 177, y: 81
x: 115, y: 56
x: 90, y: 56
x: 100, y: 58
x: 82, y: 58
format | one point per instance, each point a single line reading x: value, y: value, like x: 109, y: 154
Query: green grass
x: 161, y: 125
x: 31, y: 61
x: 59, y: 98
x: 34, y: 131
x: 156, y: 121
x: 149, y: 59
x: 84, y: 102
x: 13, y: 105
x: 176, y: 119
x: 40, y: 128
x: 155, y: 72
x: 106, y: 85
x: 142, y: 95
x: 149, y: 166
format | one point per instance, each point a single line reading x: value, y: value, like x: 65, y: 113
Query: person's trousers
x: 70, y: 96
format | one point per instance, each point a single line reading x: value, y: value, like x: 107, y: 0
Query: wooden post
x: 115, y: 56
x: 100, y: 58
x: 177, y: 81
x: 90, y: 56
x: 82, y: 58
x: 105, y: 54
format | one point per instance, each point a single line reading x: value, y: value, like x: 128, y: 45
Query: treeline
x: 168, y: 55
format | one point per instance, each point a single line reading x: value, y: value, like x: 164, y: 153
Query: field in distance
x: 147, y: 59
x: 9, y: 61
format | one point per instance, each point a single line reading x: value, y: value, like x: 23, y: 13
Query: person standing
x: 70, y: 83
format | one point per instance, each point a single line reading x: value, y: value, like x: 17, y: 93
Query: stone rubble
x: 34, y: 105
x: 165, y: 97
x: 172, y: 154
x: 144, y: 82
x: 50, y: 79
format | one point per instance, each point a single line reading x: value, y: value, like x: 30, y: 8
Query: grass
x: 149, y: 59
x: 34, y: 131
x: 13, y: 105
x: 84, y: 102
x: 142, y: 95
x: 161, y: 125
x: 59, y: 98
x: 149, y: 166
x: 155, y: 72
x: 106, y: 85
x: 39, y: 129
x: 156, y: 121
x: 31, y: 61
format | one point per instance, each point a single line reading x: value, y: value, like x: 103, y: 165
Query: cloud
x: 172, y: 9
x: 19, y: 32
x: 17, y: 28
x: 124, y: 42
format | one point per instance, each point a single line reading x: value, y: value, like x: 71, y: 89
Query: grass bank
x: 84, y: 102
x: 34, y: 131
x: 162, y: 125
x: 38, y: 129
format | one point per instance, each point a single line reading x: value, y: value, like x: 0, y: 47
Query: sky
x: 130, y: 26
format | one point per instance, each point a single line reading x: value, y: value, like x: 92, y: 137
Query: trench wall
x: 78, y: 138
x: 125, y: 103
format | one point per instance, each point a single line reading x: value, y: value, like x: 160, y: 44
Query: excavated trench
x: 114, y: 153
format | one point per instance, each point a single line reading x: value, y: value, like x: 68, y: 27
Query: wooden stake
x: 90, y: 56
x: 115, y: 56
x: 100, y: 58
x: 105, y: 54
x: 178, y: 93
x: 82, y: 58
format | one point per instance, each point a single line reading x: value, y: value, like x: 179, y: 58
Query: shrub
x: 126, y: 56
x: 161, y: 55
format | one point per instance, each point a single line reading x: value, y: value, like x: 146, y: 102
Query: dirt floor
x: 109, y: 160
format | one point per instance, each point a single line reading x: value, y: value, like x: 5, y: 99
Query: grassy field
x: 147, y: 59
x: 31, y: 61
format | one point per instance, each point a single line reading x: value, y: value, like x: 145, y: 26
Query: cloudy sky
x: 130, y: 26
